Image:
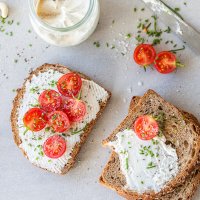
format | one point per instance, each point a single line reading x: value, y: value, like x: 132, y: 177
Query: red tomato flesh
x: 165, y: 62
x: 146, y: 127
x: 59, y: 121
x: 35, y: 119
x: 144, y: 54
x: 69, y: 84
x: 54, y: 146
x: 50, y: 100
x: 74, y: 108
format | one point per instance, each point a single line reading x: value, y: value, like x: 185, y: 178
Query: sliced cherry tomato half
x: 74, y: 108
x: 146, y: 127
x: 69, y: 84
x: 50, y: 100
x: 165, y: 62
x: 59, y: 121
x: 54, y: 146
x: 35, y: 119
x: 144, y: 54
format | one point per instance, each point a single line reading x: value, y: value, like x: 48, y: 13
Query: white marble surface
x: 20, y: 180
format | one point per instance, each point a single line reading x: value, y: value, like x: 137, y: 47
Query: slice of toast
x: 151, y: 103
x: 95, y: 97
x: 112, y: 178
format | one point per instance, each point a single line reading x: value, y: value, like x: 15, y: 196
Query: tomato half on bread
x: 146, y: 127
x: 74, y: 108
x: 50, y: 100
x: 55, y: 146
x: 144, y: 54
x: 69, y: 84
x: 59, y: 121
x: 35, y: 119
x: 165, y: 62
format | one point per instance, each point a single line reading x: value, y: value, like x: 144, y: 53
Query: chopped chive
x: 97, y: 44
x: 175, y: 50
x: 127, y: 163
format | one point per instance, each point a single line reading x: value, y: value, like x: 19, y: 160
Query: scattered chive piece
x: 107, y: 44
x: 142, y: 182
x: 151, y: 165
x: 113, y: 21
x: 97, y: 44
x: 29, y: 31
x: 176, y: 9
x: 128, y: 35
x: 16, y: 61
x: 142, y: 9
x: 34, y: 105
x: 10, y: 22
x: 78, y: 131
x: 156, y: 41
x: 135, y: 9
x: 53, y: 83
x: 168, y: 30
x: 127, y: 163
x: 34, y: 89
x: 175, y: 50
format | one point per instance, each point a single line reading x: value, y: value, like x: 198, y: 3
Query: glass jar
x: 70, y: 35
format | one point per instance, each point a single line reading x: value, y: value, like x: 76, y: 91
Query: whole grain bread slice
x: 112, y: 174
x: 181, y: 130
x: 19, y: 97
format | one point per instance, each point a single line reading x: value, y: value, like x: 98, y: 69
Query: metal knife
x: 183, y: 30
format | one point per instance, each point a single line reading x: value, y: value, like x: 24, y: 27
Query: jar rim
x: 66, y: 29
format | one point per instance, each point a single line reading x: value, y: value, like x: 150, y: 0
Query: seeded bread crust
x: 16, y: 105
x: 191, y: 123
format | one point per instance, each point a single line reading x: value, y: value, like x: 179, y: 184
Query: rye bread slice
x: 185, y: 138
x: 19, y: 97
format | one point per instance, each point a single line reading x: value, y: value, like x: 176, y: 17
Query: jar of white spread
x: 64, y: 22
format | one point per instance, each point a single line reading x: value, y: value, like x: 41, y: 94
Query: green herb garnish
x: 34, y: 89
x: 151, y: 165
x: 127, y: 163
x: 47, y: 129
x: 175, y: 50
x: 53, y: 83
x: 146, y: 151
x: 97, y: 44
x: 128, y: 35
x: 168, y: 30
x: 78, y: 131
